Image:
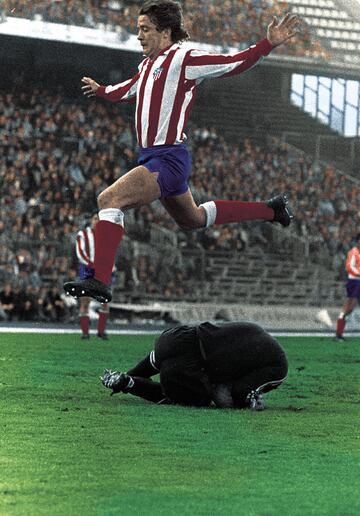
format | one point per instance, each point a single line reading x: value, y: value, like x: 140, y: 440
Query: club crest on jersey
x: 157, y: 72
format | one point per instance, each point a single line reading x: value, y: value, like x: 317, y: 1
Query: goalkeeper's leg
x: 137, y: 386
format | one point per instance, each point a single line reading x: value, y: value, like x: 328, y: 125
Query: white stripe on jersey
x: 196, y: 72
x: 169, y: 95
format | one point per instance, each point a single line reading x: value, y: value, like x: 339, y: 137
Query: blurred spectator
x: 2, y: 313
x: 27, y: 306
x: 7, y: 301
x: 57, y: 309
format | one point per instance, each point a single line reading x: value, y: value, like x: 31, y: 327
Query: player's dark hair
x: 357, y: 238
x: 166, y: 14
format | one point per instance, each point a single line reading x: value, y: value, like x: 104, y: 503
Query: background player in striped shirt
x: 85, y: 252
x: 164, y: 92
x: 352, y: 266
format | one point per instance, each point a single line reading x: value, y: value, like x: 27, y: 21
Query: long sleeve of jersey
x: 202, y: 65
x: 122, y: 92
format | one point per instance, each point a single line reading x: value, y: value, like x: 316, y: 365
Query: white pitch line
x: 123, y: 331
x: 9, y: 329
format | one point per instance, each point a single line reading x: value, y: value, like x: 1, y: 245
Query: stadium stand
x: 234, y: 23
x: 335, y: 22
x: 52, y: 142
x: 49, y: 161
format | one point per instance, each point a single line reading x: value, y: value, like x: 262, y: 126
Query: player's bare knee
x: 105, y: 199
x: 198, y: 221
x: 190, y: 225
x: 102, y: 200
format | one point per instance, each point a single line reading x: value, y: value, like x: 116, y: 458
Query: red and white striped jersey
x: 352, y: 264
x: 164, y: 89
x: 85, y: 246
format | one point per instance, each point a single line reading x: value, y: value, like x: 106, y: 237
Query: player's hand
x: 90, y: 88
x: 279, y: 32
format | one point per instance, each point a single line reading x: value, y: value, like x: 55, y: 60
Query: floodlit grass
x: 68, y: 448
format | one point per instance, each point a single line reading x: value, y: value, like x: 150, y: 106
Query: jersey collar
x: 166, y: 50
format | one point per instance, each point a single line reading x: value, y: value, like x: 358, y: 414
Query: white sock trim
x: 152, y: 360
x: 130, y: 383
x: 112, y: 215
x: 211, y: 211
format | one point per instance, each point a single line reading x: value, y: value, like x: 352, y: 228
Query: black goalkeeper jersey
x: 226, y: 351
x: 231, y: 350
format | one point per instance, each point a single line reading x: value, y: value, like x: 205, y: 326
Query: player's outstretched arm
x: 279, y: 32
x: 90, y: 87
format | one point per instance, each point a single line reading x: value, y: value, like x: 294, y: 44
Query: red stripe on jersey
x: 179, y: 101
x: 253, y: 54
x: 156, y: 100
x: 141, y: 102
x: 87, y: 244
x: 246, y: 65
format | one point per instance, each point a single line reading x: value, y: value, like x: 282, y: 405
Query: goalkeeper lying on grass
x: 229, y: 366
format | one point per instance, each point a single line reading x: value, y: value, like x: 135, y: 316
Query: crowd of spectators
x: 44, y: 304
x: 57, y: 156
x: 229, y: 23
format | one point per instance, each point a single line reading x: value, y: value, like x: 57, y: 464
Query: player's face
x: 151, y: 40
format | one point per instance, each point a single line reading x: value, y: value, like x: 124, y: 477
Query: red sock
x: 84, y: 324
x: 103, y: 316
x: 107, y: 239
x: 236, y: 211
x: 340, y: 326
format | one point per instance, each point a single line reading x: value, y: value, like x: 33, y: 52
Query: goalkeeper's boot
x: 255, y: 401
x: 90, y: 287
x: 282, y: 212
x: 117, y: 381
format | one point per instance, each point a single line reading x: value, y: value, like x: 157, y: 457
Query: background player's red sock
x: 236, y: 211
x: 103, y: 317
x: 108, y: 236
x: 340, y: 326
x: 84, y: 324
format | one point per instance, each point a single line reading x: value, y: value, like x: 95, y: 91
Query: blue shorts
x: 353, y: 288
x: 172, y: 162
x: 85, y: 272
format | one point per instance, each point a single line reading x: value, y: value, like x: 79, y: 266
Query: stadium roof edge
x: 316, y: 66
x: 122, y: 40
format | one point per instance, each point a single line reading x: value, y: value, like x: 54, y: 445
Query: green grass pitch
x: 68, y: 448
